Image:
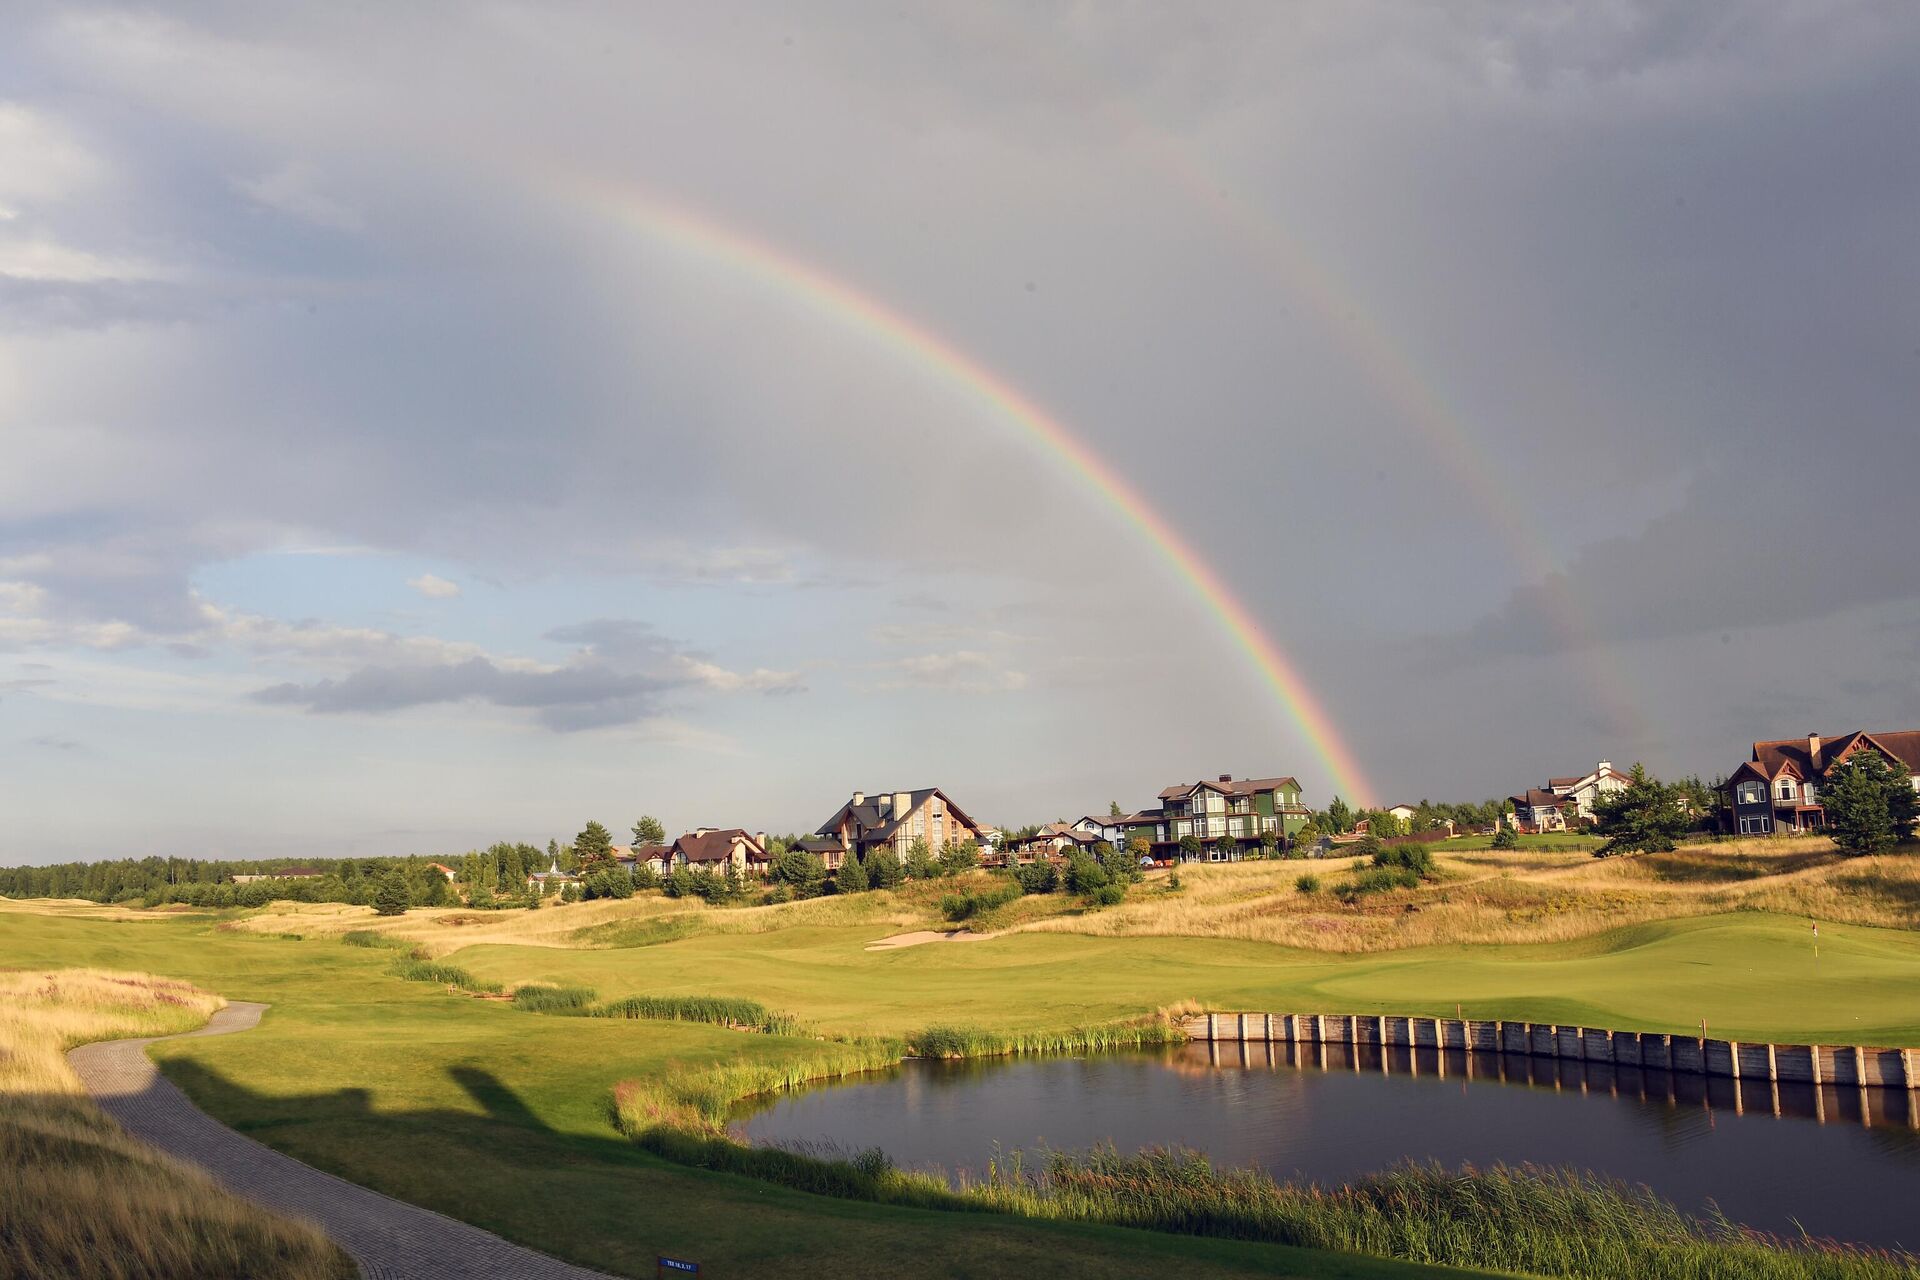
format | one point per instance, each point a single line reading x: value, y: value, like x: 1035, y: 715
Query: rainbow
x: 714, y: 242
x: 1387, y: 368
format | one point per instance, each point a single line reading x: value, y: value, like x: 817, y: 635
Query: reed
x: 724, y: 1011
x: 564, y: 1001
x: 414, y: 969
x: 78, y: 1197
x: 369, y: 938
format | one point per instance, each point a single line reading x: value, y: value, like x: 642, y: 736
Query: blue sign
x: 674, y: 1264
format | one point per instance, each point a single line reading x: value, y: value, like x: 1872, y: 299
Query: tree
x: 802, y: 870
x: 884, y: 868
x: 1645, y: 817
x: 1114, y: 810
x: 1190, y: 850
x: 1085, y: 874
x: 1870, y: 803
x: 1505, y: 837
x: 594, y: 848
x: 920, y: 863
x: 390, y: 899
x: 1340, y: 815
x: 1385, y: 825
x: 1037, y: 876
x: 649, y: 831
x: 852, y: 875
x: 1269, y: 842
x: 959, y: 856
x: 1139, y: 848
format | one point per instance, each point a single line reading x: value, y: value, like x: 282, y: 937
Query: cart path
x: 389, y: 1238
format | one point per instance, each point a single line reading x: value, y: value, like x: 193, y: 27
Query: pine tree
x: 852, y: 875
x: 649, y: 831
x: 390, y: 899
x: 594, y: 848
x: 1645, y: 817
x: 1869, y: 803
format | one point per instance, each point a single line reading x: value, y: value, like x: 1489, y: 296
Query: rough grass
x: 721, y: 1011
x: 414, y: 969
x: 1517, y: 897
x: 78, y: 1197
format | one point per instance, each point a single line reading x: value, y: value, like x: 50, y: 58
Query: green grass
x: 504, y: 1119
x: 1557, y: 841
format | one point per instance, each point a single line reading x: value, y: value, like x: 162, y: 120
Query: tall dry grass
x: 78, y: 1197
x: 1516, y: 897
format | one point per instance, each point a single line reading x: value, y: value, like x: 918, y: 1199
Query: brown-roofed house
x: 729, y: 849
x: 893, y: 820
x: 1777, y: 789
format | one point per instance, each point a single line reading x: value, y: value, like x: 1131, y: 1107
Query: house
x: 1053, y: 840
x: 1586, y: 789
x: 1777, y: 789
x: 1227, y: 813
x: 1537, y: 809
x: 721, y: 852
x: 552, y: 878
x: 285, y: 873
x: 893, y: 820
x: 442, y: 868
x: 825, y: 848
x: 657, y: 858
x: 1404, y: 812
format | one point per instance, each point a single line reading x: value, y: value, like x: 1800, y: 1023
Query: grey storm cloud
x: 573, y: 697
x: 1314, y: 283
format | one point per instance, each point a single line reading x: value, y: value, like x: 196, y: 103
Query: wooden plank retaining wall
x: 1738, y: 1059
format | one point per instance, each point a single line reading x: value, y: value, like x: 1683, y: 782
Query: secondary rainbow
x: 763, y: 262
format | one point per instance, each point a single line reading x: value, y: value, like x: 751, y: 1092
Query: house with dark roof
x: 728, y: 850
x: 1537, y: 809
x: 1777, y: 789
x: 1226, y: 814
x: 1053, y: 840
x: 893, y: 820
x: 825, y: 848
x: 1565, y: 802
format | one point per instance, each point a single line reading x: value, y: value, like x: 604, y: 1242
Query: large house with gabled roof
x: 893, y: 820
x: 1226, y: 814
x: 1777, y: 789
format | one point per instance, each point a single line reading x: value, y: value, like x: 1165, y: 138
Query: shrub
x: 1109, y: 895
x: 1378, y: 880
x: 368, y: 938
x: 1037, y: 876
x: 965, y: 906
x: 778, y: 894
x: 959, y: 856
x: 571, y: 893
x: 415, y: 969
x: 1308, y: 883
x: 1416, y: 858
x: 920, y: 863
x: 1084, y: 873
x: 884, y: 869
x: 1506, y: 838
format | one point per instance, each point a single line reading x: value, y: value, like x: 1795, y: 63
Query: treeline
x: 203, y: 882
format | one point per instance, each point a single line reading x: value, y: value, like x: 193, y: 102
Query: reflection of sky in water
x: 1768, y: 1155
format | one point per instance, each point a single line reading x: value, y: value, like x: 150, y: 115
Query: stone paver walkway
x: 388, y: 1238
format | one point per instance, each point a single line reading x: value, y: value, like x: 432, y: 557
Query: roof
x: 1555, y: 784
x: 1231, y: 787
x: 716, y: 846
x: 870, y: 824
x: 1535, y: 798
x: 440, y: 866
x: 645, y: 852
x: 1784, y: 754
x: 816, y: 844
x: 286, y: 872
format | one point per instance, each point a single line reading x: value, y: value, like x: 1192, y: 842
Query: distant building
x: 442, y: 868
x: 285, y: 873
x: 731, y: 850
x: 1565, y: 802
x: 1225, y: 814
x: 893, y: 820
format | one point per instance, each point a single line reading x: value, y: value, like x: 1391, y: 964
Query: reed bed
x: 544, y: 998
x: 415, y: 969
x: 723, y: 1011
x: 78, y: 1197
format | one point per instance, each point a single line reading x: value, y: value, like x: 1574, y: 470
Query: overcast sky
x: 380, y: 472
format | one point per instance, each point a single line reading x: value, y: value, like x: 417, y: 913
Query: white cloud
x: 721, y: 680
x: 964, y: 670
x: 434, y: 587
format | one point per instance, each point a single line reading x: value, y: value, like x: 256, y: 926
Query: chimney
x: 1603, y: 768
x: 1226, y: 777
x: 902, y: 801
x: 859, y: 797
x: 760, y: 838
x: 1813, y: 751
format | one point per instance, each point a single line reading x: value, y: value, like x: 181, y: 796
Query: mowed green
x: 1750, y: 976
x: 502, y: 1118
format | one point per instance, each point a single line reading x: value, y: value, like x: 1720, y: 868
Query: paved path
x: 387, y: 1237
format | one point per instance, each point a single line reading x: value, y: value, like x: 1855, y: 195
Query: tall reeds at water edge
x: 78, y: 1197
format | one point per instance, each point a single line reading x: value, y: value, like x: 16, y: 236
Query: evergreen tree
x: 594, y: 848
x: 852, y: 875
x: 390, y: 899
x: 1340, y: 815
x: 1870, y: 804
x: 1645, y: 817
x: 649, y: 831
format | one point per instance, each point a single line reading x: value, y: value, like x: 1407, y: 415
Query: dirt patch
x: 928, y: 935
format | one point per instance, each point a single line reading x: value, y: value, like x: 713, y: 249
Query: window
x: 1751, y: 793
x: 1786, y: 788
x: 1758, y: 825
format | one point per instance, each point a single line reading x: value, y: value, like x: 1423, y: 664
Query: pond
x: 1843, y: 1162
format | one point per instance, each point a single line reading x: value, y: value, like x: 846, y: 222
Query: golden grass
x: 1513, y: 897
x: 78, y: 1197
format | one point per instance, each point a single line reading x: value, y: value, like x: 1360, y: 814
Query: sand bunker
x: 928, y: 935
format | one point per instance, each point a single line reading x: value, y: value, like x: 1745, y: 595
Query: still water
x: 1841, y: 1161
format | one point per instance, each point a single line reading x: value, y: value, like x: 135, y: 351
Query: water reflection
x: 1825, y: 1104
x: 1842, y: 1161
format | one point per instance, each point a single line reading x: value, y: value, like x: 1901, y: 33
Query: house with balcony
x: 1777, y: 789
x: 731, y: 850
x: 1226, y: 814
x: 891, y: 821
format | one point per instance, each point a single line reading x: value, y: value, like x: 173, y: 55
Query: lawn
x: 502, y: 1117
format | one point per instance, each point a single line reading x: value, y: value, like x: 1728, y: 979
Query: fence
x: 1737, y: 1059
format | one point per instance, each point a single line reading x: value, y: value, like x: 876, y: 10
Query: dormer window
x: 1786, y: 789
